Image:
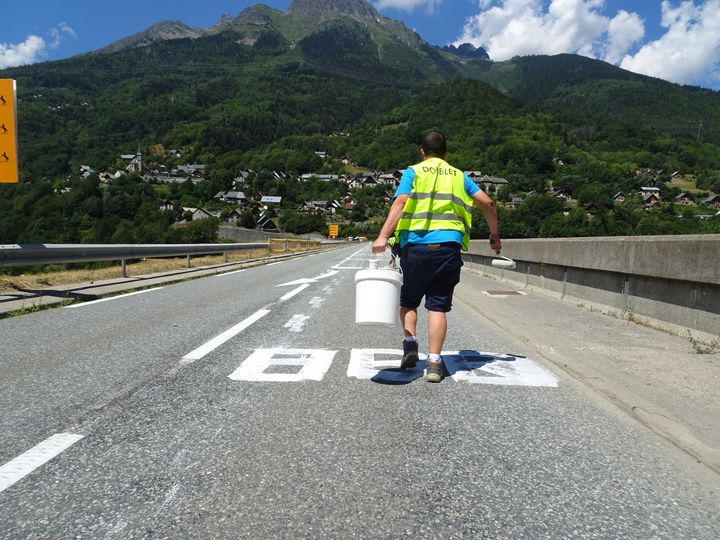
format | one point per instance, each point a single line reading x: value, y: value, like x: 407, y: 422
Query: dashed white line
x: 231, y: 273
x: 297, y: 323
x: 214, y: 343
x: 73, y: 306
x: 292, y: 293
x: 17, y: 469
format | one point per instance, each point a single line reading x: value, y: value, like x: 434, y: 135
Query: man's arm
x: 396, y: 211
x: 487, y: 206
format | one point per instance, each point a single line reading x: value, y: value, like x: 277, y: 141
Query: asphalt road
x: 249, y: 405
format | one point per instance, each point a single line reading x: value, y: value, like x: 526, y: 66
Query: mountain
x: 319, y: 68
x: 569, y: 81
x: 162, y: 31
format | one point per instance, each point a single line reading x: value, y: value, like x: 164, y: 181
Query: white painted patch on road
x: 292, y: 293
x: 214, y: 343
x: 297, y: 323
x: 366, y: 364
x: 17, y: 469
x: 232, y: 273
x: 303, y: 281
x: 313, y: 363
x: 316, y: 302
x: 497, y: 369
x: 118, y: 297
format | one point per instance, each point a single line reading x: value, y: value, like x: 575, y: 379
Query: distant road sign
x: 334, y: 230
x: 9, y: 172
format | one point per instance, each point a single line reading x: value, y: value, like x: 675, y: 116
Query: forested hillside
x: 272, y: 92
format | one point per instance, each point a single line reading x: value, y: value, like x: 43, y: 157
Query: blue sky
x: 676, y: 40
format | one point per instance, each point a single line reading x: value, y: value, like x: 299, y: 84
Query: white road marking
x: 297, y: 323
x: 499, y: 369
x: 316, y: 302
x: 314, y: 364
x: 17, y: 469
x: 231, y: 273
x: 214, y: 343
x: 308, y: 280
x: 292, y: 293
x: 74, y: 306
x: 364, y: 365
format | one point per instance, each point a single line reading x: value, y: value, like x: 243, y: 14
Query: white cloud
x: 689, y: 51
x: 507, y: 28
x: 408, y: 5
x: 19, y: 54
x: 34, y: 48
x: 624, y: 30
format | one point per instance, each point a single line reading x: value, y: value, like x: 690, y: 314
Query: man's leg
x: 437, y: 330
x: 408, y: 319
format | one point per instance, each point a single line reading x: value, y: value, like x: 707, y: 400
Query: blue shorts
x: 432, y: 271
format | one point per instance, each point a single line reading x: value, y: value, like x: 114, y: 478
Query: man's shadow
x: 462, y: 361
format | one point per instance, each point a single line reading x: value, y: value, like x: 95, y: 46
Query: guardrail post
x: 226, y: 256
x: 123, y: 268
x: 287, y: 245
x: 188, y: 262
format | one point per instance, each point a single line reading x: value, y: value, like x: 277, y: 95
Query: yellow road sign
x: 9, y: 172
x: 334, y: 230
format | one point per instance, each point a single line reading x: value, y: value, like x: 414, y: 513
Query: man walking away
x: 432, y: 216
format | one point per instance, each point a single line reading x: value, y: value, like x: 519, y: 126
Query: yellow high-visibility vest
x: 438, y: 201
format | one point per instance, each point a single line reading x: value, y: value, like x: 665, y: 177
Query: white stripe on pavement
x: 214, y: 343
x: 73, y: 306
x: 231, y: 273
x: 17, y: 469
x: 292, y: 293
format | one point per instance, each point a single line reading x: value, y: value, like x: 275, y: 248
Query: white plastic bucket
x: 377, y: 296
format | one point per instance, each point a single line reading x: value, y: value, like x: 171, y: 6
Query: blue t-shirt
x: 429, y: 237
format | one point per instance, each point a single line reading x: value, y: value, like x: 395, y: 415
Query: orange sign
x: 9, y: 173
x: 334, y: 230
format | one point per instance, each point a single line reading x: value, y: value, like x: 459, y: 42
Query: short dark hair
x: 434, y: 144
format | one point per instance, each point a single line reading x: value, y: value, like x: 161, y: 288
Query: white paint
x: 515, y: 293
x: 17, y: 469
x: 497, y: 369
x: 297, y: 323
x: 214, y: 343
x: 365, y: 365
x: 303, y: 281
x: 314, y: 364
x: 231, y: 273
x: 292, y: 293
x: 316, y: 302
x: 74, y: 306
x: 169, y: 497
x: 339, y: 266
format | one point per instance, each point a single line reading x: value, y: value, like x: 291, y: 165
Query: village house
x: 232, y: 197
x: 166, y: 205
x: 135, y: 164
x: 270, y: 199
x: 199, y: 213
x: 591, y: 209
x: 347, y: 161
x: 235, y: 216
x: 713, y: 201
x: 619, y: 197
x: 86, y: 170
x: 685, y: 198
x: 651, y: 200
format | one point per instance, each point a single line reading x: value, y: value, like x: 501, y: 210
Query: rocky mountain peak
x: 353, y: 8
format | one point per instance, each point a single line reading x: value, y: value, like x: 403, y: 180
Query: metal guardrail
x: 41, y: 254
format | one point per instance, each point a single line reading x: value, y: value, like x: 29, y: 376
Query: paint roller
x: 503, y: 262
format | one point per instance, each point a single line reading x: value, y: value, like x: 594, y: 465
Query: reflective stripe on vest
x: 438, y: 201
